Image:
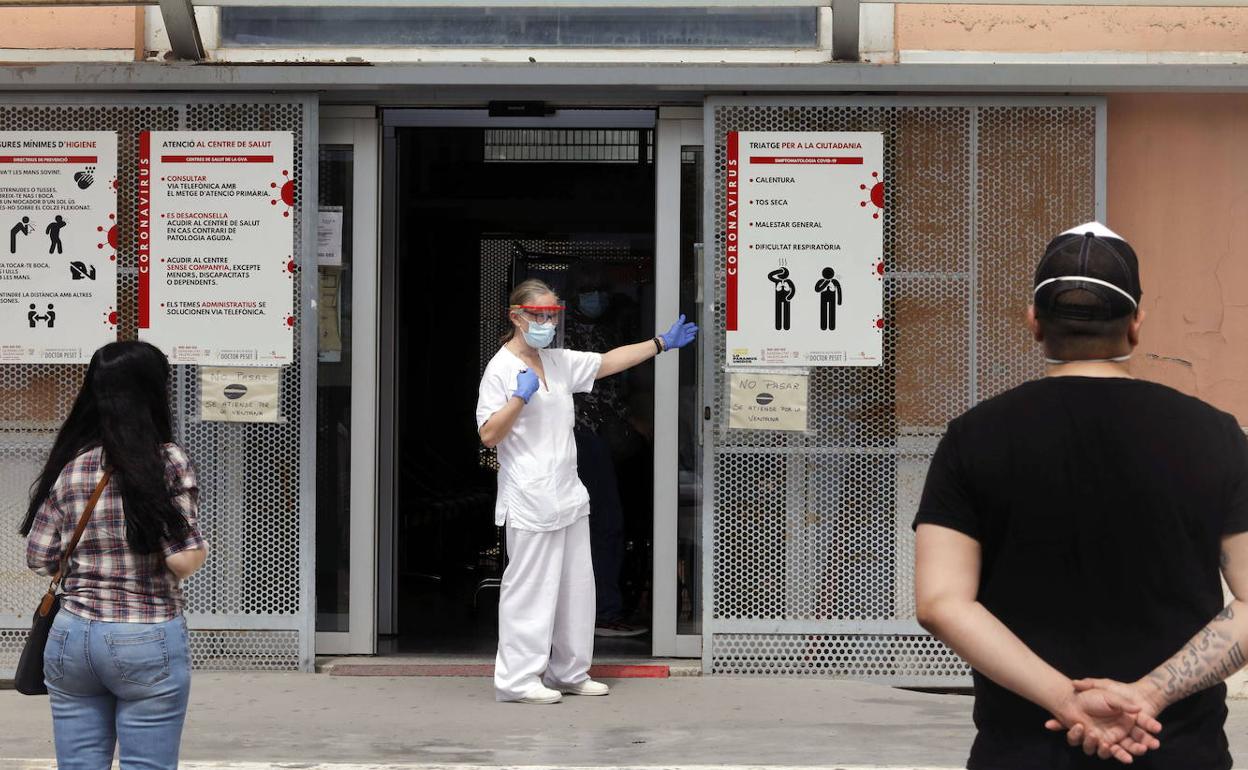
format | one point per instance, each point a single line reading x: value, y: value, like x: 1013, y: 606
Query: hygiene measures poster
x: 58, y: 274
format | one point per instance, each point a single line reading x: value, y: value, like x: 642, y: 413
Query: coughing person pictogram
x: 23, y: 227
x: 53, y: 231
x: 830, y: 297
x: 785, y: 291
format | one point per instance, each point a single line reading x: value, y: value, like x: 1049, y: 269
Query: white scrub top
x: 538, y: 487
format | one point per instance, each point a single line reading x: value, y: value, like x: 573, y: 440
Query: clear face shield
x: 545, y: 324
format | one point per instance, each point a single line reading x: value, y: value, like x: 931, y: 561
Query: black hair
x: 123, y: 407
x: 1070, y: 339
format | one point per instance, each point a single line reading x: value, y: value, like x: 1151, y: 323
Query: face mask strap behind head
x: 1085, y: 279
x: 1115, y: 360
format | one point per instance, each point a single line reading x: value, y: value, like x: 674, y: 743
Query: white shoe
x: 541, y: 696
x: 588, y: 687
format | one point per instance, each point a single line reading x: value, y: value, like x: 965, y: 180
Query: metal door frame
x: 677, y: 127
x: 667, y: 288
x: 339, y: 127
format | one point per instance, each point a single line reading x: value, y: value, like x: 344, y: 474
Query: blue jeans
x: 117, y: 684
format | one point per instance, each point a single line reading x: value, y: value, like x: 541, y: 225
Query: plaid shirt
x: 108, y: 581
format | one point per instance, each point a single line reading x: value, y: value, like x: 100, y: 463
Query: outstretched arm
x: 947, y: 565
x: 627, y: 356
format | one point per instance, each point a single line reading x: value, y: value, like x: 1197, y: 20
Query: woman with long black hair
x: 117, y: 663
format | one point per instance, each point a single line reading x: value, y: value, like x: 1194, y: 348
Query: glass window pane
x: 333, y: 391
x: 522, y: 27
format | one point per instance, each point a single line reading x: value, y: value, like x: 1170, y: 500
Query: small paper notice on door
x: 329, y: 236
x: 329, y: 310
x: 768, y: 401
x: 240, y: 395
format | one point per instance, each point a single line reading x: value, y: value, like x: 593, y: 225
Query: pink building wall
x: 1178, y: 191
x: 74, y: 27
x: 1042, y: 29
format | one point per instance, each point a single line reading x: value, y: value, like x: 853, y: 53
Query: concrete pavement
x: 34, y: 764
x: 439, y: 722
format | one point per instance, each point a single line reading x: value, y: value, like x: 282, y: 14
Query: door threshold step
x: 420, y: 665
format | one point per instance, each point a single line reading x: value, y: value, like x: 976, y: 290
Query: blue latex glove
x: 680, y: 334
x: 526, y: 384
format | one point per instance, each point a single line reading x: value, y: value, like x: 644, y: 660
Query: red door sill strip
x: 605, y: 671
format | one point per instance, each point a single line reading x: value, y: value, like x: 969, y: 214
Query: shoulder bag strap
x: 49, y: 598
x: 82, y: 526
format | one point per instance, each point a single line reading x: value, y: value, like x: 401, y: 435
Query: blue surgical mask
x: 540, y: 335
x: 593, y: 303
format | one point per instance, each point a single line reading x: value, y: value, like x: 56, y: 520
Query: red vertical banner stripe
x: 143, y: 229
x: 732, y: 238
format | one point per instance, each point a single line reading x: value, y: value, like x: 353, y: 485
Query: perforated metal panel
x: 811, y: 550
x: 864, y: 656
x: 248, y: 606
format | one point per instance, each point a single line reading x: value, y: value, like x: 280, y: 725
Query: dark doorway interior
x: 477, y: 210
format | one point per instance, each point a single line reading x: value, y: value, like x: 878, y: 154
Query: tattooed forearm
x: 1209, y: 658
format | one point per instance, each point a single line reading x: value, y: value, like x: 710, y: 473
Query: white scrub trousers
x: 545, y: 611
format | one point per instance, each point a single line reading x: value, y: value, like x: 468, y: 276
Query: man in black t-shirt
x: 1077, y: 526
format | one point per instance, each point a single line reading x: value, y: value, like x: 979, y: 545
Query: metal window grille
x: 544, y: 145
x: 247, y: 606
x: 691, y: 26
x: 811, y: 550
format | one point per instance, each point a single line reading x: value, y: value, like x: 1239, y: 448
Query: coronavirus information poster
x: 58, y: 272
x: 216, y: 246
x: 804, y: 248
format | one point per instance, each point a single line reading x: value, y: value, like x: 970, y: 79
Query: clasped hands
x: 1110, y: 719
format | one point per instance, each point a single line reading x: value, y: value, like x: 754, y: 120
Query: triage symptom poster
x: 216, y: 246
x: 804, y: 248
x: 58, y: 274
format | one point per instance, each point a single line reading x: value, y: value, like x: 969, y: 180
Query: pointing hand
x: 681, y: 334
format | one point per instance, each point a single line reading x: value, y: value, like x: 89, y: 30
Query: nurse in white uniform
x: 546, y: 605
